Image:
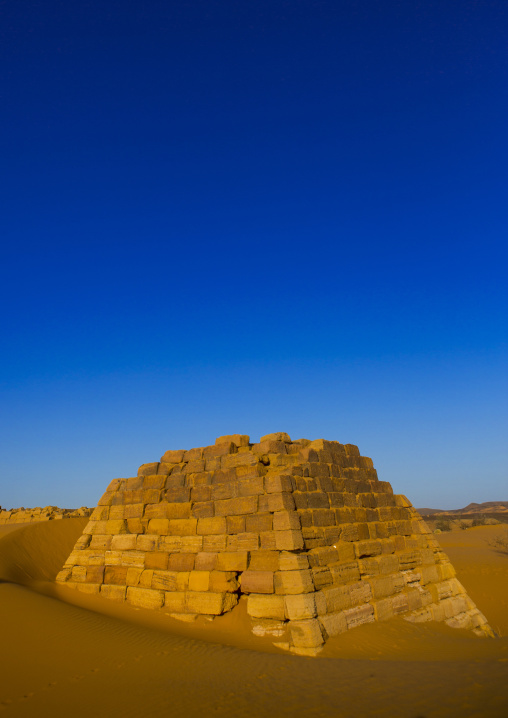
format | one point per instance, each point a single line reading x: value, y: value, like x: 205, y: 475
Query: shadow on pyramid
x: 303, y: 528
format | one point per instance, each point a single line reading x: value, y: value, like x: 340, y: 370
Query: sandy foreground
x: 64, y: 653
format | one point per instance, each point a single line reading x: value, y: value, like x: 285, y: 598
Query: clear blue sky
x: 254, y: 216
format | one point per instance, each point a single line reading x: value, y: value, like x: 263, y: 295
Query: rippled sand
x: 68, y: 654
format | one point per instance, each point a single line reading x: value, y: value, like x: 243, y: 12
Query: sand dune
x: 66, y: 653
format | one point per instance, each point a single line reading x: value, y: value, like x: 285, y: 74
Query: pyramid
x: 304, y: 529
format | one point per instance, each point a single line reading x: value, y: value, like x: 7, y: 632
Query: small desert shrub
x: 500, y: 543
x: 443, y: 525
x: 480, y: 521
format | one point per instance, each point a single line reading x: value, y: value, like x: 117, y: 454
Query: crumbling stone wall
x: 48, y: 513
x: 303, y: 528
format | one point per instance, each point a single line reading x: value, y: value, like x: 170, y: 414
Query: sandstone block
x: 151, y: 496
x: 286, y: 520
x: 292, y: 561
x: 64, y: 575
x: 135, y: 526
x: 185, y: 544
x: 215, y: 525
x: 145, y: 597
x: 257, y: 582
x: 123, y: 542
x: 300, y: 607
x: 178, y: 495
x: 196, y: 466
x: 115, y: 527
x: 267, y: 540
x: 265, y: 448
x: 116, y: 593
x: 223, y: 581
x: 205, y: 561
x: 95, y: 574
x: 278, y: 436
x: 368, y: 548
x: 292, y: 582
x: 174, y: 601
x: 133, y: 511
x: 333, y: 624
x: 155, y: 481
x: 100, y: 513
x: 201, y: 493
x: 359, y: 615
x: 266, y: 606
x: 106, y: 498
x: 288, y: 540
x: 257, y: 523
x: 147, y: 542
x: 116, y: 512
x: 244, y: 473
x: 209, y: 603
x: 337, y: 598
x: 252, y: 486
x: 178, y: 510
x: 213, y: 543
x: 282, y: 501
x: 147, y: 469
x: 221, y: 449
x: 322, y: 577
x: 181, y: 562
x: 145, y: 579
x: 193, y: 454
x: 237, y: 439
x: 133, y: 576
x: 173, y: 457
x: 306, y: 634
x: 156, y: 560
x: 92, y: 588
x: 235, y: 524
x: 199, y: 580
x: 247, y: 542
x: 323, y: 556
x: 158, y: 526
x: 79, y: 574
x: 170, y: 580
x: 99, y: 541
x: 115, y: 574
x: 239, y: 505
x: 231, y: 461
x: 227, y: 490
x: 165, y: 468
x: 360, y: 592
x: 264, y: 561
x: 232, y: 561
x: 182, y: 527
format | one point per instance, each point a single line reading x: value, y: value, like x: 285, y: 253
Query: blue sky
x: 224, y: 217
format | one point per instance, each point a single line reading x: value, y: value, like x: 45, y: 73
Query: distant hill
x: 488, y: 507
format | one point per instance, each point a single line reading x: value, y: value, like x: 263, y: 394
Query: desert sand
x: 67, y: 653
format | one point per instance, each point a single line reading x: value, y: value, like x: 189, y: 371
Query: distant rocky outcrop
x: 474, y: 514
x: 47, y: 513
x: 487, y: 507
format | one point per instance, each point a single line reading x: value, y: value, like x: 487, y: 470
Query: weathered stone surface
x: 145, y: 597
x: 257, y: 582
x: 266, y: 606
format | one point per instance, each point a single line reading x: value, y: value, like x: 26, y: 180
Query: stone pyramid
x: 303, y: 528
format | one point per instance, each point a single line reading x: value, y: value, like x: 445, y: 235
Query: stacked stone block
x: 304, y: 529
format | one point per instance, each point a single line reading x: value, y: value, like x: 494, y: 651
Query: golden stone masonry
x: 304, y: 529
